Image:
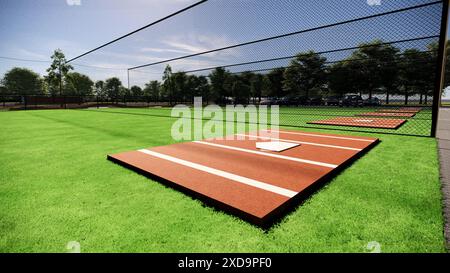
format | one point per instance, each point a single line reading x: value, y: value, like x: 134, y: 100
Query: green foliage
x: 416, y: 75
x: 338, y: 79
x: 100, y: 89
x: 305, y: 73
x: 167, y: 85
x: 136, y: 91
x: 22, y: 81
x: 203, y: 88
x: 179, y: 83
x: 113, y: 87
x: 257, y: 86
x: 123, y: 91
x: 274, y: 83
x: 78, y: 84
x: 376, y: 66
x: 240, y: 90
x: 220, y: 84
x: 153, y: 90
x: 57, y: 72
x: 3, y: 90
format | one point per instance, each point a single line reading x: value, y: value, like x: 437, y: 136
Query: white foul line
x: 230, y: 176
x: 304, y: 142
x: 306, y: 134
x: 268, y: 154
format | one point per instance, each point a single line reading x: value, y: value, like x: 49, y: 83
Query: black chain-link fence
x: 357, y: 65
x: 296, y: 113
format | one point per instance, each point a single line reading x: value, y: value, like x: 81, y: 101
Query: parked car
x: 302, y: 100
x: 333, y: 100
x: 242, y: 101
x: 372, y: 102
x: 316, y: 100
x: 288, y: 100
x: 352, y: 101
x: 269, y: 101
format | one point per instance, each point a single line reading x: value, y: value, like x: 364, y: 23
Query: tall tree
x: 377, y: 66
x: 136, y: 91
x: 339, y: 75
x: 168, y: 84
x: 411, y: 72
x: 274, y: 87
x: 57, y: 72
x: 203, y: 88
x: 433, y: 52
x: 22, y: 81
x: 240, y: 90
x: 220, y: 84
x: 113, y: 87
x: 431, y: 67
x: 305, y: 73
x: 246, y: 78
x: 152, y: 90
x: 3, y: 90
x: 78, y: 84
x: 179, y: 81
x: 99, y: 89
x: 257, y: 85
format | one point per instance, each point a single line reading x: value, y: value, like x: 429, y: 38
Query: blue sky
x: 33, y: 29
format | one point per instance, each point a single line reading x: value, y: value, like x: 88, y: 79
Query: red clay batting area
x: 255, y: 184
x: 368, y: 122
x: 387, y: 114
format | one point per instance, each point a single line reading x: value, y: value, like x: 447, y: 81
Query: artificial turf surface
x: 56, y: 186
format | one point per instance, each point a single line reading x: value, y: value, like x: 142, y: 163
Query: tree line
x: 373, y: 68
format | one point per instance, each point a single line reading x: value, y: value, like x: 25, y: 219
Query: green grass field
x: 56, y: 186
x: 419, y: 125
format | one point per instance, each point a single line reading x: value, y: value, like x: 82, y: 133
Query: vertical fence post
x: 440, y: 68
x: 128, y: 79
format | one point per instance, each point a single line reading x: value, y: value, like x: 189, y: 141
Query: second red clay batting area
x: 369, y: 122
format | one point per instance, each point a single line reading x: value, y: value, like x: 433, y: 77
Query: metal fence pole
x: 440, y: 68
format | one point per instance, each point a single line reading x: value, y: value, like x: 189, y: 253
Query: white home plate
x: 363, y: 120
x: 275, y: 146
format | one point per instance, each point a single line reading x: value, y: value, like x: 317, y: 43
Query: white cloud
x: 196, y: 43
x: 186, y: 47
x: 162, y: 50
x: 28, y: 54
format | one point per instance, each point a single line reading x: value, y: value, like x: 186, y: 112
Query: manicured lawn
x: 56, y: 186
x: 419, y: 125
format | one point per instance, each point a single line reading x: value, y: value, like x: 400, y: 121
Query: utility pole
x: 60, y: 84
x: 128, y: 78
